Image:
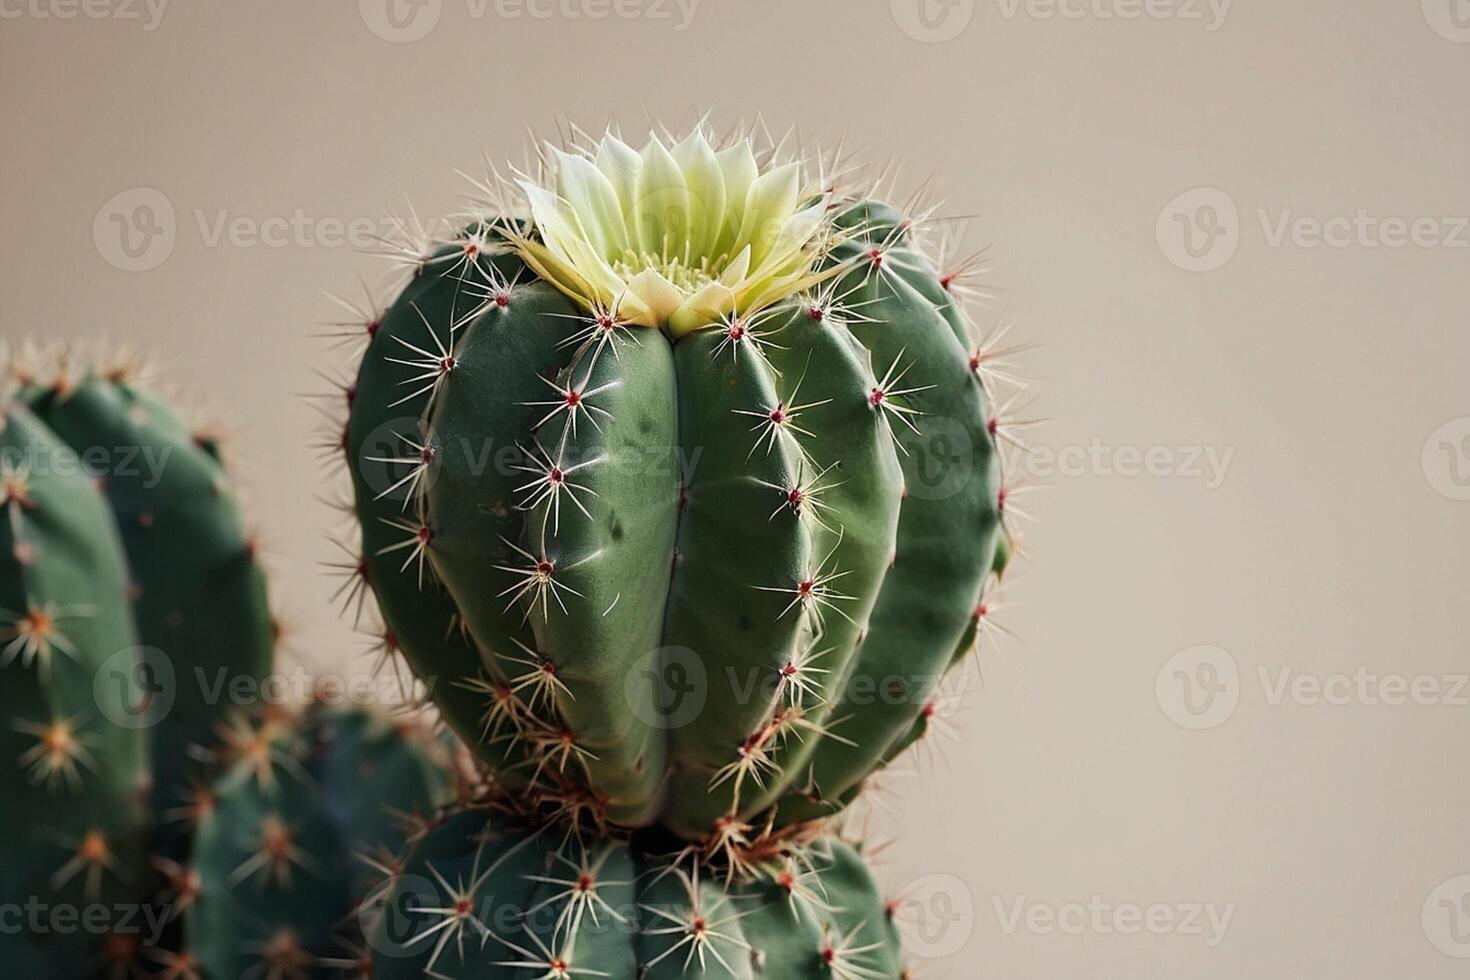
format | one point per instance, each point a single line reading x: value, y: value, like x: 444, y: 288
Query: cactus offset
x: 482, y: 898
x: 285, y: 856
x: 73, y: 771
x: 704, y: 424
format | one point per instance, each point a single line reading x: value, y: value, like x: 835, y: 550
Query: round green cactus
x: 300, y: 830
x: 73, y: 765
x: 683, y: 493
x: 481, y: 898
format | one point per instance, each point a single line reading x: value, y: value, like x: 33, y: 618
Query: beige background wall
x: 1331, y: 383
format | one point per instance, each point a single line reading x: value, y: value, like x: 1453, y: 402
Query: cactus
x: 73, y: 769
x: 198, y: 593
x: 286, y: 853
x: 702, y: 426
x: 483, y: 898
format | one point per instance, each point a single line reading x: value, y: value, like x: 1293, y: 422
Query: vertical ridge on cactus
x: 197, y: 590
x: 694, y: 424
x: 73, y: 771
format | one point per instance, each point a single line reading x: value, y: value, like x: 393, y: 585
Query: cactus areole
x: 678, y: 483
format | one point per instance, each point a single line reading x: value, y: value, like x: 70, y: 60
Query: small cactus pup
x: 197, y: 590
x: 679, y: 484
x: 302, y: 828
x: 73, y: 765
x: 483, y: 898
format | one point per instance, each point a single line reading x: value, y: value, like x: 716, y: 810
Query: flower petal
x: 594, y: 200
x: 661, y: 212
x: 706, y: 183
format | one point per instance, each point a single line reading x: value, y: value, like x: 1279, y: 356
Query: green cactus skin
x: 73, y: 770
x: 482, y: 899
x: 286, y: 855
x: 199, y: 595
x: 802, y: 507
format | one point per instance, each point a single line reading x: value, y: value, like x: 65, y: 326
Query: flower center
x: 675, y: 235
